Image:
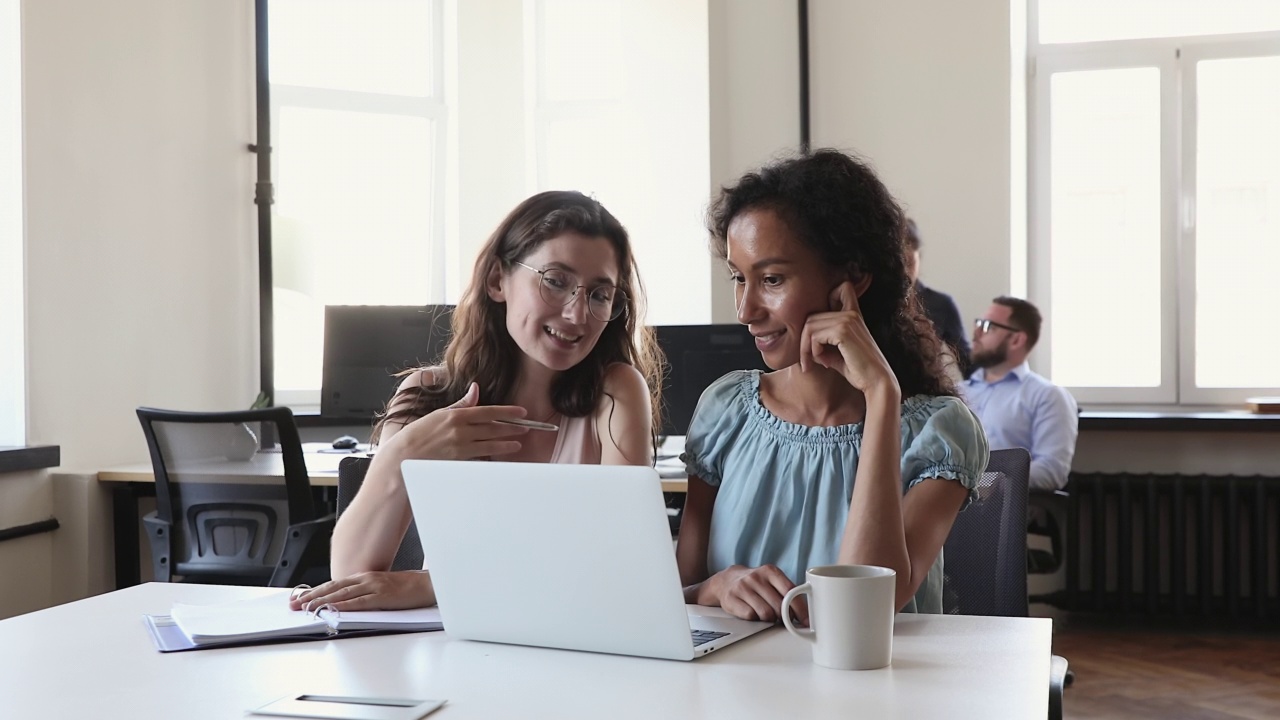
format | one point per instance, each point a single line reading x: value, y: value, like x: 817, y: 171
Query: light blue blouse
x: 784, y: 489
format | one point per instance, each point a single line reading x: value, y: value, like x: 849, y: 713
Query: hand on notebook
x: 400, y: 590
x: 461, y: 431
x: 754, y: 593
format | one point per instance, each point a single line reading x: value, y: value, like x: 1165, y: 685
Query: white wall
x: 26, y: 564
x: 141, y: 260
x: 141, y: 239
x: 486, y: 92
x: 922, y: 89
x: 755, y: 101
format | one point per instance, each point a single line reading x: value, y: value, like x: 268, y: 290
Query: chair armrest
x: 304, y: 543
x: 312, y: 525
x: 1057, y: 682
x: 158, y: 533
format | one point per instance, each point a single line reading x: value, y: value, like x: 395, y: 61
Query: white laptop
x: 564, y: 556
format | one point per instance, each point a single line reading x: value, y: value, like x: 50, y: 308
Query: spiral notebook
x: 267, y: 618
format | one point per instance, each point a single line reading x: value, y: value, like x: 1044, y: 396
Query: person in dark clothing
x: 939, y: 306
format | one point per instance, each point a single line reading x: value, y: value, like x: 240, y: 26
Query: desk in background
x: 74, y: 660
x: 129, y: 483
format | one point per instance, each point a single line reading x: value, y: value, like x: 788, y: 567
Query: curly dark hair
x: 835, y: 204
x: 482, y: 350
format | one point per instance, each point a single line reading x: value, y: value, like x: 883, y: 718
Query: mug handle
x: 786, y: 611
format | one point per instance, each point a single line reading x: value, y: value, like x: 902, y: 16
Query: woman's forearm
x: 874, y: 532
x: 372, y: 527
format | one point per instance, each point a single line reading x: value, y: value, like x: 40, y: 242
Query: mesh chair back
x: 351, y: 472
x: 216, y: 518
x: 985, y: 556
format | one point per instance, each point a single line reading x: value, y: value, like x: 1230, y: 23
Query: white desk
x: 263, y: 467
x: 128, y: 483
x: 268, y: 467
x: 94, y: 658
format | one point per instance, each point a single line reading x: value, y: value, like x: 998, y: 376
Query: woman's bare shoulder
x: 427, y: 377
x: 624, y: 377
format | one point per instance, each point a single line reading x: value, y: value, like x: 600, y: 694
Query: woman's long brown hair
x: 482, y: 351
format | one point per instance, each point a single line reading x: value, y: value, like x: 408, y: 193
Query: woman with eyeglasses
x: 550, y: 330
x: 855, y: 449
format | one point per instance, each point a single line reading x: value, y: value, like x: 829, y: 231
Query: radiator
x: 1174, y: 545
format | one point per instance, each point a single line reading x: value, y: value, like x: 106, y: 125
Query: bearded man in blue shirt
x: 1018, y: 407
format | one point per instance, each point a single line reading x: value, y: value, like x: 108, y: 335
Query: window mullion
x: 1185, y: 225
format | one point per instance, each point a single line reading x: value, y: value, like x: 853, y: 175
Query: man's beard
x: 983, y: 359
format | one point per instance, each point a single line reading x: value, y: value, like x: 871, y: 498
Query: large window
x: 12, y: 304
x: 405, y: 129
x: 358, y: 123
x: 619, y: 108
x: 1156, y: 197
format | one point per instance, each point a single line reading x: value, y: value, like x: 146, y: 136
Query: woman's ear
x: 493, y: 283
x: 860, y: 283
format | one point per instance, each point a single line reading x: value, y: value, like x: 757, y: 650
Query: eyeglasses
x: 559, y: 288
x: 985, y: 325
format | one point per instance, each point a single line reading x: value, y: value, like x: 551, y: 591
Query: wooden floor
x: 1162, y: 669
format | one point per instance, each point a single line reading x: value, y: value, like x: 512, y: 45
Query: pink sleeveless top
x: 577, y: 442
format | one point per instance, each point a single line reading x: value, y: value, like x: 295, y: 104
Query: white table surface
x: 94, y: 659
x: 262, y: 467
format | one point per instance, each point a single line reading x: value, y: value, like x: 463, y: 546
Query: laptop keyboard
x: 702, y: 637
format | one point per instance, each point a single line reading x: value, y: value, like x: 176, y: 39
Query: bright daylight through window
x: 13, y: 402
x: 405, y: 129
x: 1156, y: 197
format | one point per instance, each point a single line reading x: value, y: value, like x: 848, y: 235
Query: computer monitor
x: 698, y: 355
x: 366, y: 345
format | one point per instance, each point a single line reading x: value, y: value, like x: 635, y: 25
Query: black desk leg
x: 124, y: 511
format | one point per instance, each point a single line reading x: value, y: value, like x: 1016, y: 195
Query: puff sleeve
x: 717, y: 422
x: 944, y: 440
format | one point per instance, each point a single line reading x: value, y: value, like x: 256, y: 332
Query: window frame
x: 1175, y: 58
x: 1259, y: 45
x: 13, y: 371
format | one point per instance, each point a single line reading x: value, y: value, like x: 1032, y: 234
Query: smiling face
x: 556, y: 336
x: 778, y: 283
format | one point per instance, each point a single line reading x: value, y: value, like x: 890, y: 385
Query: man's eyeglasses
x: 559, y: 288
x: 985, y: 325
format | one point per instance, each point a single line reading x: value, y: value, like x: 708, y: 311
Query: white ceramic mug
x: 850, y: 615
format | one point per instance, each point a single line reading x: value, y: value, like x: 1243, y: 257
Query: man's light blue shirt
x: 1024, y: 409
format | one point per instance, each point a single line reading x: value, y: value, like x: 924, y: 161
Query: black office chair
x: 1044, y: 509
x: 985, y: 556
x: 207, y: 527
x: 1046, y: 512
x: 351, y: 472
